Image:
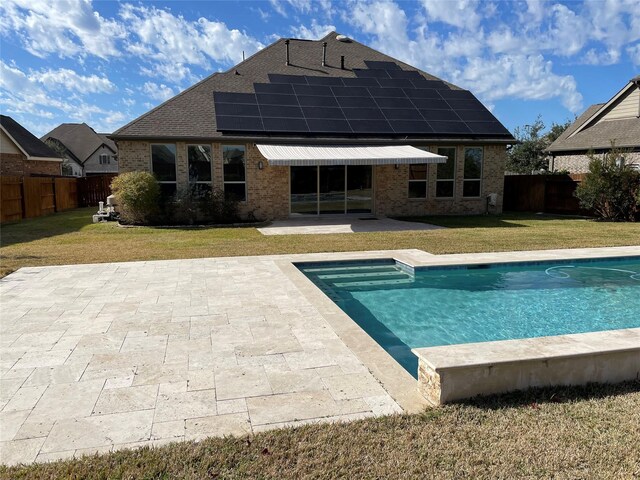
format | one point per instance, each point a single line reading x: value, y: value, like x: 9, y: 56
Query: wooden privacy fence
x: 28, y: 197
x: 542, y: 193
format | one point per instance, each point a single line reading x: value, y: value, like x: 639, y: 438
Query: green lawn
x: 70, y: 237
x: 563, y: 433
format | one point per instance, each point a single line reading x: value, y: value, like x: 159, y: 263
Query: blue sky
x: 106, y: 62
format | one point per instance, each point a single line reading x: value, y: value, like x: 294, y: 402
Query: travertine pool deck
x: 342, y: 224
x: 107, y: 356
x: 119, y: 355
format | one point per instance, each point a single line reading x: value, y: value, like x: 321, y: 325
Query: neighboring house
x: 324, y: 127
x: 616, y: 121
x: 85, y: 151
x: 23, y: 154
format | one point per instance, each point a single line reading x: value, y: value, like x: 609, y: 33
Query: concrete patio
x: 342, y: 224
x: 107, y: 356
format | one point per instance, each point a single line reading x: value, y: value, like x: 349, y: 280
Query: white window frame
x: 464, y: 179
x: 205, y: 182
x: 104, y: 159
x: 235, y: 182
x: 425, y: 181
x: 175, y: 182
x: 452, y: 179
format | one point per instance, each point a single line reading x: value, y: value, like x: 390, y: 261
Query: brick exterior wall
x: 580, y: 163
x: 16, y: 164
x: 268, y: 189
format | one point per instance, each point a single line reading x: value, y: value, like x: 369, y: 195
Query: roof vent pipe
x: 342, y: 62
x: 324, y: 54
x: 286, y: 42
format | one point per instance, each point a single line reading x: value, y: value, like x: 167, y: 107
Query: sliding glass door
x: 335, y: 189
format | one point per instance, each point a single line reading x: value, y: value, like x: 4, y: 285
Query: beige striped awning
x: 311, y: 155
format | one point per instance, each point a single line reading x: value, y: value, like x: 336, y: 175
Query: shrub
x: 611, y: 189
x: 197, y: 206
x: 137, y: 195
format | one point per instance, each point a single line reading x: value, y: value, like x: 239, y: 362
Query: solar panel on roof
x: 280, y: 111
x: 430, y: 103
x: 401, y: 114
x: 317, y: 101
x: 378, y: 65
x: 487, y: 128
x: 316, y: 90
x: 273, y: 88
x: 390, y: 102
x: 465, y: 104
x: 448, y: 115
x: 395, y: 82
x: 410, y: 126
x: 370, y: 73
x: 449, y: 127
x: 330, y: 81
x: 353, y: 102
x: 230, y: 97
x: 360, y: 82
x: 276, y: 99
x: 322, y: 112
x: 411, y: 74
x: 476, y: 115
x: 284, y: 124
x: 363, y: 113
x: 279, y: 78
x: 328, y: 126
x: 377, y: 92
x: 424, y: 83
x: 248, y: 124
x: 370, y: 126
x: 453, y: 94
x: 237, y: 109
x: 351, y: 91
x: 422, y: 93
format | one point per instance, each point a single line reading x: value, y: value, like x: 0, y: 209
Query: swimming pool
x: 402, y: 308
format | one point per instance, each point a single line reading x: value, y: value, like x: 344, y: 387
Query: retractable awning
x: 310, y: 155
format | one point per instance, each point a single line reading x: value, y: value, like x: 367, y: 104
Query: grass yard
x: 562, y: 433
x: 70, y: 237
x: 568, y: 433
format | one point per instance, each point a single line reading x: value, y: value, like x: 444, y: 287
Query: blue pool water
x: 444, y: 306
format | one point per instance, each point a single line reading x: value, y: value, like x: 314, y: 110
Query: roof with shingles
x: 625, y: 133
x: 32, y: 145
x: 80, y: 139
x: 191, y: 114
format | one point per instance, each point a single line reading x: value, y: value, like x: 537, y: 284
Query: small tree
x: 611, y: 189
x: 137, y: 195
x: 530, y: 153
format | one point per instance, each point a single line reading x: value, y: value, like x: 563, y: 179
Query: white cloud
x: 314, y: 32
x: 459, y: 13
x: 157, y: 91
x: 66, y: 79
x: 634, y: 53
x: 61, y: 27
x: 301, y: 6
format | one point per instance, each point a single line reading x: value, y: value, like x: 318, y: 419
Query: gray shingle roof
x: 624, y: 132
x: 80, y: 139
x: 191, y: 115
x: 31, y: 144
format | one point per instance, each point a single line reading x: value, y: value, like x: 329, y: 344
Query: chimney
x: 324, y: 53
x: 286, y: 42
x: 342, y: 62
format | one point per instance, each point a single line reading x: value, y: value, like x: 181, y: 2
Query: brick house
x: 23, y: 154
x: 617, y: 121
x: 85, y: 151
x: 325, y: 127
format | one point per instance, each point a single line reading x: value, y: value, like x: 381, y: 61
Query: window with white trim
x: 446, y: 173
x: 418, y: 180
x: 472, y: 182
x: 104, y: 159
x: 200, y: 165
x: 234, y: 172
x: 163, y: 166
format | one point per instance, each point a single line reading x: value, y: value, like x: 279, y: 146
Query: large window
x: 163, y: 166
x: 199, y: 157
x: 446, y: 173
x: 471, y: 186
x: 235, y: 186
x: 104, y: 159
x: 418, y: 180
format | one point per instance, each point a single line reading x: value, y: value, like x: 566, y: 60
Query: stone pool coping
x: 402, y: 386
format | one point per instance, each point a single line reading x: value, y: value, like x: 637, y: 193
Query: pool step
x: 362, y: 276
x: 371, y: 283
